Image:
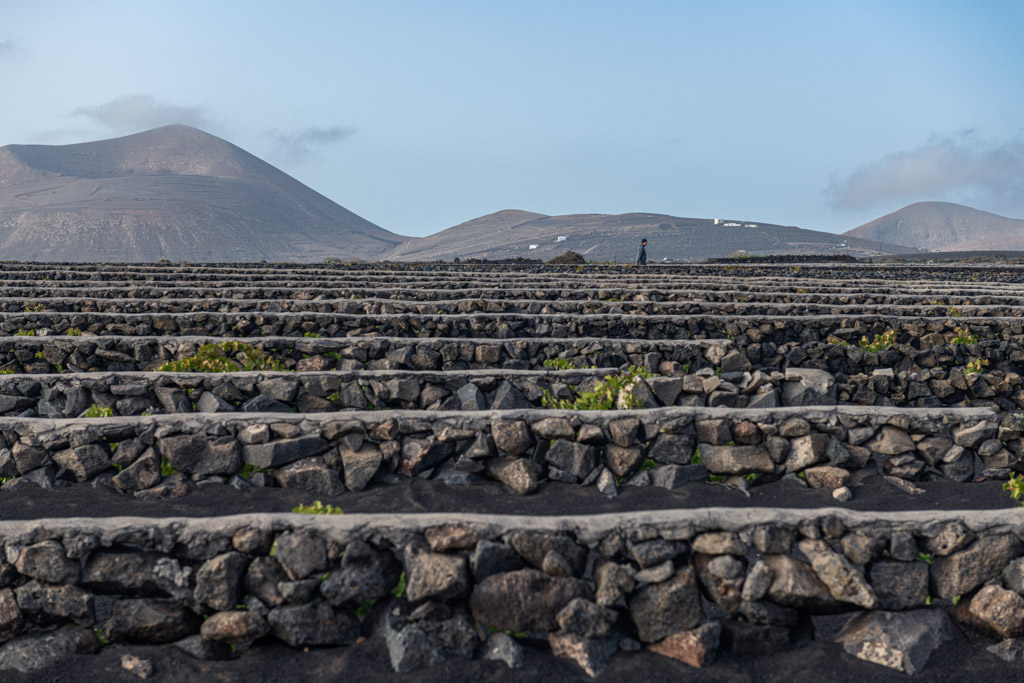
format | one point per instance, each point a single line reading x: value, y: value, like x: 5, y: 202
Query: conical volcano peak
x: 176, y: 149
x: 174, y: 192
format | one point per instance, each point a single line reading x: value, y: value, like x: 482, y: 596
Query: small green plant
x: 73, y: 332
x: 248, y: 469
x: 879, y: 343
x: 1015, y: 485
x: 318, y: 508
x: 166, y: 469
x: 25, y: 333
x: 312, y: 335
x: 976, y: 365
x: 103, y: 640
x: 695, y: 458
x: 956, y: 599
x: 364, y: 608
x: 925, y: 557
x: 514, y: 634
x: 98, y: 411
x: 605, y: 395
x: 36, y: 308
x: 7, y: 371
x: 335, y: 397
x: 558, y: 364
x: 230, y: 356
x: 961, y: 335
x: 647, y: 464
x: 954, y: 312
x: 40, y: 355
x: 399, y: 590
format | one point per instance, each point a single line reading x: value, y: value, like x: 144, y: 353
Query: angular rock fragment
x: 524, y: 600
x: 899, y: 640
x: 313, y: 624
x: 590, y: 654
x: 522, y: 475
x: 963, y: 571
x: 994, y: 611
x: 659, y: 610
x: 696, y: 647
x: 235, y: 627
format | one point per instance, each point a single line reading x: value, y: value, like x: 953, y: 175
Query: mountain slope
x: 173, y: 192
x: 604, y: 237
x: 944, y: 226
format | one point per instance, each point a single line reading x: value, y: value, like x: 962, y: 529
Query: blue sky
x: 420, y: 115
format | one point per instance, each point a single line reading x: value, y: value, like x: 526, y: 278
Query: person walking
x: 641, y: 254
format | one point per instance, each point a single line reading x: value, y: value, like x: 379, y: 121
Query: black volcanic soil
x: 552, y: 498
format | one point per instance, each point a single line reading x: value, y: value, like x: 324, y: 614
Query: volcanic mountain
x: 603, y: 237
x: 946, y: 227
x: 173, y: 192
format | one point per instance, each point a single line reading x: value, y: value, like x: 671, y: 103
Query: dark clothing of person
x: 641, y: 256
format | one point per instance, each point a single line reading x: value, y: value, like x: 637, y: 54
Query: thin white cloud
x: 303, y: 145
x: 961, y: 168
x: 133, y: 113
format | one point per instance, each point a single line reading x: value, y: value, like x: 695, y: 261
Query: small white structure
x: 750, y: 225
x: 560, y: 238
x: 716, y: 221
x: 534, y: 246
x: 731, y: 225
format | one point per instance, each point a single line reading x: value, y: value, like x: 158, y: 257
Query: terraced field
x: 748, y: 472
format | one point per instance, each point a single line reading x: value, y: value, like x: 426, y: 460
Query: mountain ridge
x: 614, y: 237
x: 171, y: 192
x: 180, y: 193
x: 944, y: 226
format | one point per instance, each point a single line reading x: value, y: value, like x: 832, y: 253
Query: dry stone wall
x: 684, y: 584
x: 326, y: 454
x: 730, y: 383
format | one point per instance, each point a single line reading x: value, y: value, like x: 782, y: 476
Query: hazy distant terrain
x: 945, y: 226
x: 601, y: 237
x: 181, y: 194
x: 173, y: 192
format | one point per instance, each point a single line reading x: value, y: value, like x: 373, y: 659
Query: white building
x: 561, y: 238
x: 534, y: 246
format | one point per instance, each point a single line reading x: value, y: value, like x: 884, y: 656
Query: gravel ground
x: 552, y: 498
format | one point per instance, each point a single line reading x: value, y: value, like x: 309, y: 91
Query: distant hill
x: 602, y: 237
x: 173, y: 192
x: 945, y: 226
